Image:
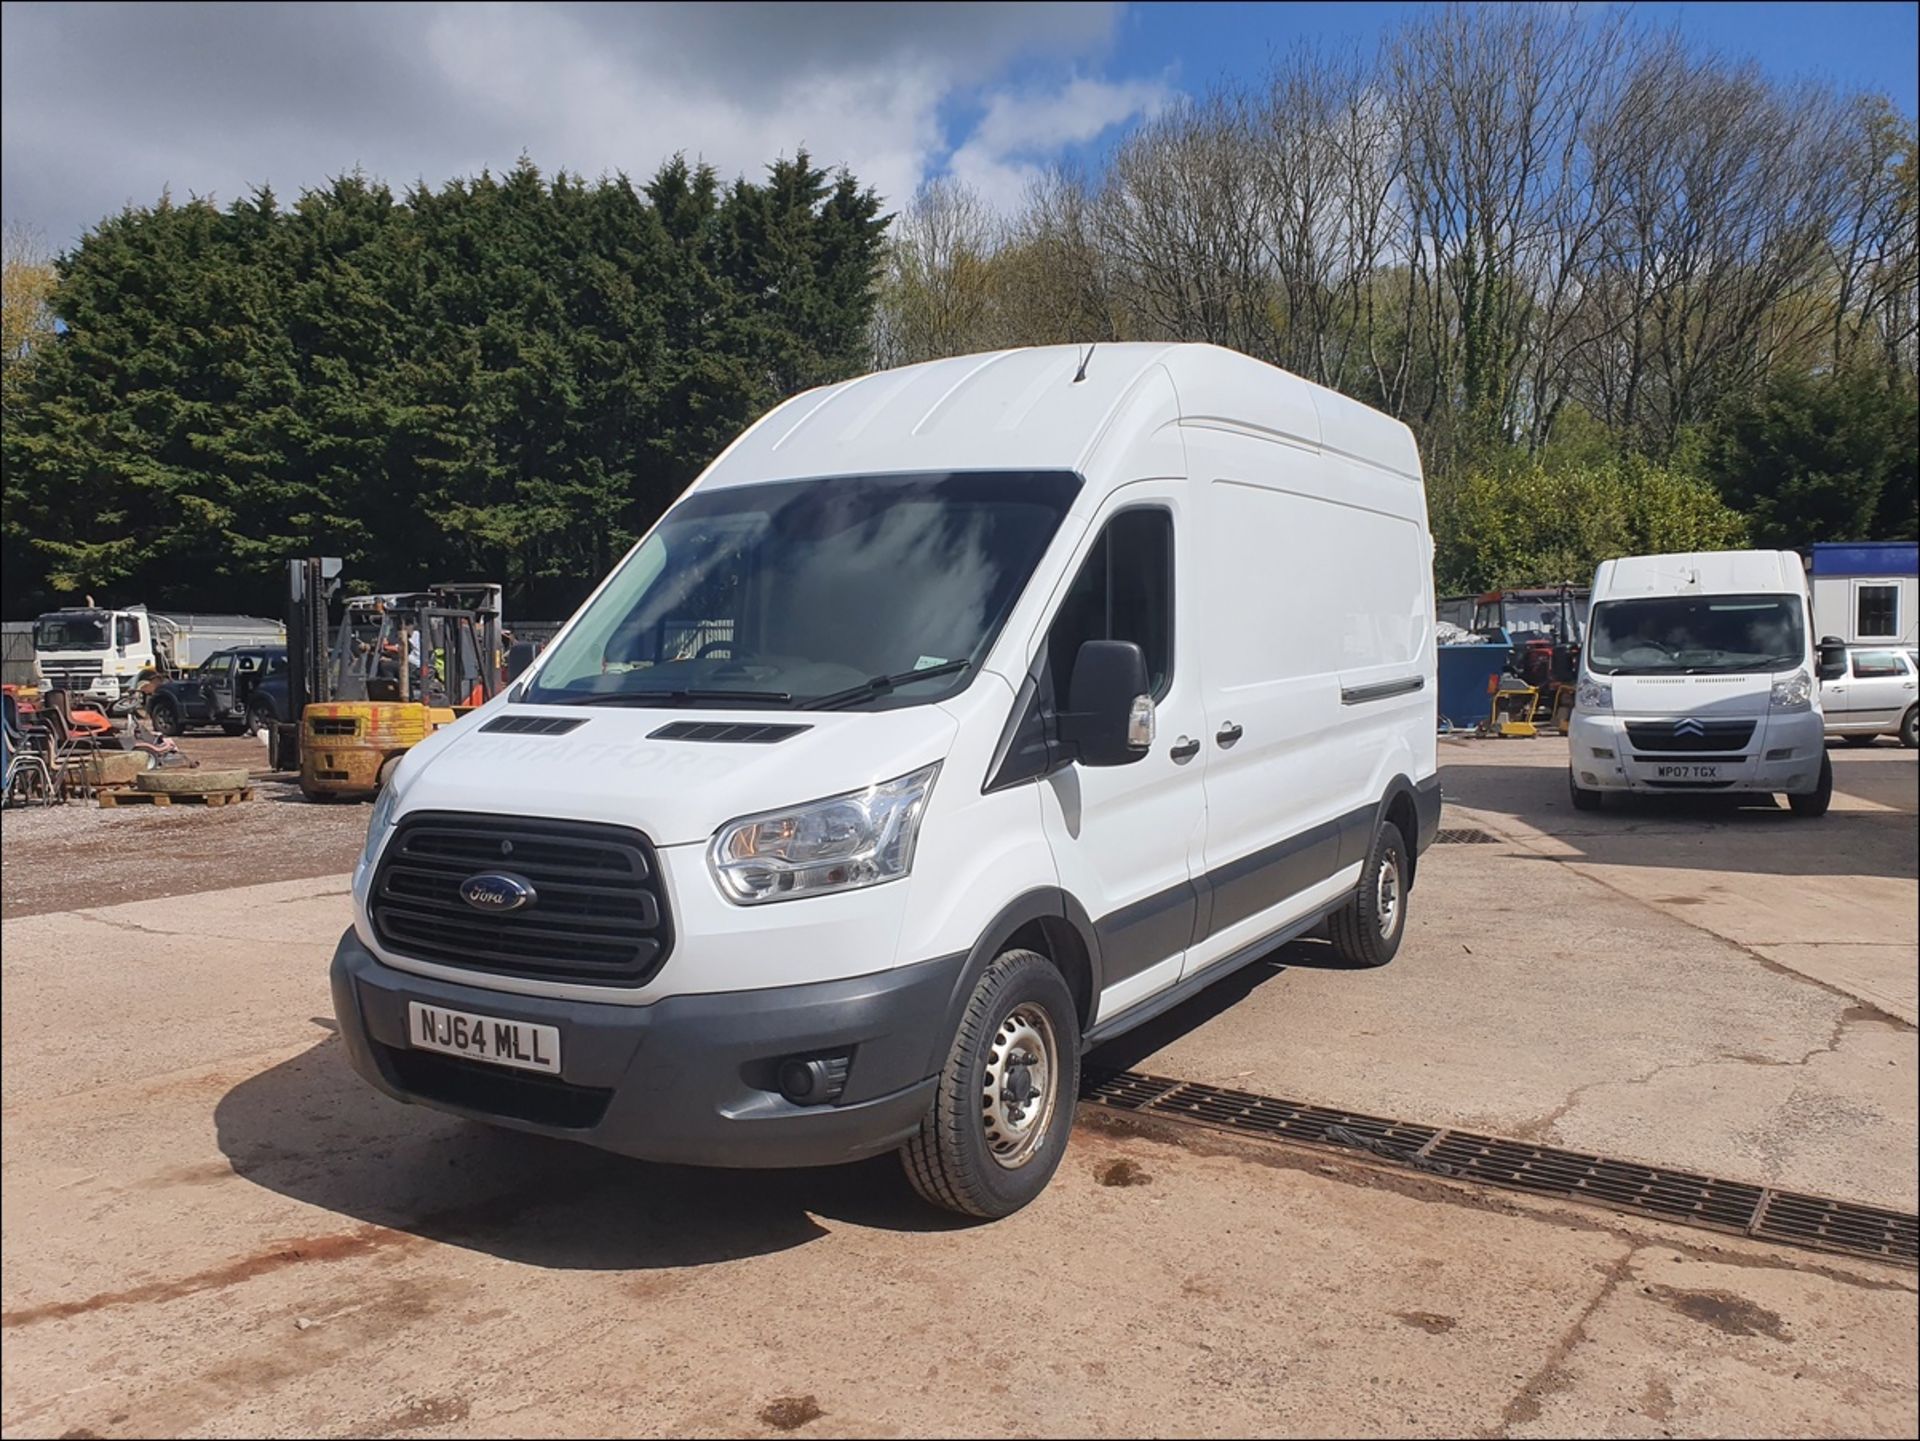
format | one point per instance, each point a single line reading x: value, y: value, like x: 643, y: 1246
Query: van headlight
x: 1792, y: 692
x: 838, y: 844
x: 386, y: 807
x: 1593, y: 695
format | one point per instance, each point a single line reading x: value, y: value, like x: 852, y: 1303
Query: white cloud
x: 106, y: 104
x: 1021, y: 131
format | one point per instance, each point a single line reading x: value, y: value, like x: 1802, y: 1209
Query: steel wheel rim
x: 1019, y: 1090
x: 1387, y: 896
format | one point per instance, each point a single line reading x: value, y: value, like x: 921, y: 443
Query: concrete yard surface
x: 213, y: 1228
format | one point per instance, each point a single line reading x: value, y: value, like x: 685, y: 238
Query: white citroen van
x: 1698, y: 676
x: 957, y: 718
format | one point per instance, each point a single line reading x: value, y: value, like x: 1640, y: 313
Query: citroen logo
x: 1690, y: 727
x: 497, y: 891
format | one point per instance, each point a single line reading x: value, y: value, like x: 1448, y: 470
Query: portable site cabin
x: 1866, y: 591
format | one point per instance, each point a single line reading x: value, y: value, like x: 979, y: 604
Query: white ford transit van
x: 955, y: 719
x: 1698, y: 675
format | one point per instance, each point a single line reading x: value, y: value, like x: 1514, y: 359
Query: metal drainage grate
x: 1682, y: 1196
x: 1465, y: 836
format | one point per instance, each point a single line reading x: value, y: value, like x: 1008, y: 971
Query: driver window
x: 1124, y: 592
x: 218, y: 666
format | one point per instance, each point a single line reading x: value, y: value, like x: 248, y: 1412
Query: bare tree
x: 27, y: 279
x: 936, y: 294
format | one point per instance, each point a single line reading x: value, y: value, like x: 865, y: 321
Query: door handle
x: 1185, y: 749
x: 1228, y: 734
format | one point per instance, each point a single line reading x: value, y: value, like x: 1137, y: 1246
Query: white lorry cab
x: 955, y: 719
x: 1699, y: 676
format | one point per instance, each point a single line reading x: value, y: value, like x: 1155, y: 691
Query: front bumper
x: 1782, y: 758
x: 689, y: 1079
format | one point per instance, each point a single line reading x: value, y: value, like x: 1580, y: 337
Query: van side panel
x: 1318, y: 648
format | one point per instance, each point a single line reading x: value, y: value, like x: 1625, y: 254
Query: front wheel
x: 1366, y: 931
x: 165, y: 715
x: 1583, y: 798
x: 1005, y: 1099
x: 1815, y: 802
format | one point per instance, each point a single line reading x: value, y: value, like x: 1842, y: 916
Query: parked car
x: 238, y: 690
x: 955, y: 720
x: 1877, y: 693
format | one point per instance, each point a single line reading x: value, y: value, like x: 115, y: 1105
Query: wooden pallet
x: 167, y: 798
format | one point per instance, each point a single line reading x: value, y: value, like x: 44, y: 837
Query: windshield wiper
x: 652, y: 697
x: 881, y: 684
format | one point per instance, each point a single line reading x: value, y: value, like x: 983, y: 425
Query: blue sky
x: 1863, y: 46
x: 102, y: 105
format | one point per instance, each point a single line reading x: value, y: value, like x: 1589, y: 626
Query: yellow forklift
x: 401, y: 666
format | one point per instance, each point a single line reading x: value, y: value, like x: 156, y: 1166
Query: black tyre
x: 1004, y: 1105
x: 1583, y: 799
x: 165, y: 715
x: 1910, y: 728
x: 1815, y: 802
x: 260, y: 717
x: 1366, y: 931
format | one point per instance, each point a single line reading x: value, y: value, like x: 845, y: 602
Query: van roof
x: 1024, y: 410
x: 1702, y: 572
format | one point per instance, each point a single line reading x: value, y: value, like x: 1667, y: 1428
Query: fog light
x: 1590, y: 778
x: 1601, y: 753
x: 814, y: 1081
x: 1781, y: 753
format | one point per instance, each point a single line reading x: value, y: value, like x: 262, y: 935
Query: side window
x: 218, y: 666
x: 1877, y: 610
x: 126, y: 630
x: 1868, y: 664
x: 1124, y: 592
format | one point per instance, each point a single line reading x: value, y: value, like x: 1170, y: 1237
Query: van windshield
x: 836, y: 591
x: 1696, y: 635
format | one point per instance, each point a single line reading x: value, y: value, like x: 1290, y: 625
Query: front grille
x: 599, y: 915
x: 73, y: 667
x: 1713, y: 735
x: 494, y: 1090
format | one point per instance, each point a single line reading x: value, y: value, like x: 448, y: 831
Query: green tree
x: 1829, y: 457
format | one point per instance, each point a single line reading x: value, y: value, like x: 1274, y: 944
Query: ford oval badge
x: 496, y: 891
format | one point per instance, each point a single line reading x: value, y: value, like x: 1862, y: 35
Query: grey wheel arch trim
x: 1045, y: 903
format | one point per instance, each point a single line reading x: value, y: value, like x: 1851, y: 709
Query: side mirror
x: 1833, y: 657
x: 1109, y: 715
x: 519, y: 656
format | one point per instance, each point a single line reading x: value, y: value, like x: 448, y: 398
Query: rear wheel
x: 260, y: 717
x: 1005, y: 1100
x: 1366, y: 931
x: 1910, y: 728
x: 1583, y: 799
x: 1815, y: 802
x: 164, y: 711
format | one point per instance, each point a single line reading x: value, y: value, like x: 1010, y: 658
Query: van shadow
x: 1754, y: 835
x: 312, y: 1130
x: 1123, y: 1053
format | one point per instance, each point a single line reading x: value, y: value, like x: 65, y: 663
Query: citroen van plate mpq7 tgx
x: 1698, y: 677
x: 956, y: 718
